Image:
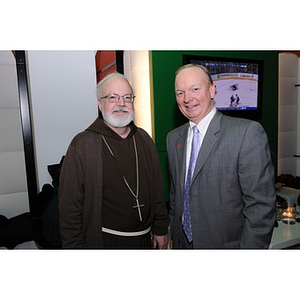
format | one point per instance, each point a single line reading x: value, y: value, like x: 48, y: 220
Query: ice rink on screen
x: 245, y: 89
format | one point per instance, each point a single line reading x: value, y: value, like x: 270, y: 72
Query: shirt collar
x: 203, y: 124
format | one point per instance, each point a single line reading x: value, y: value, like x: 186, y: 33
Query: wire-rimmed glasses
x: 114, y: 98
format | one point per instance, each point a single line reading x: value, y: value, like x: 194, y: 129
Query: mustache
x: 116, y: 109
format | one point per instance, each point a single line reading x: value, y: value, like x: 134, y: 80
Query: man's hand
x: 160, y: 241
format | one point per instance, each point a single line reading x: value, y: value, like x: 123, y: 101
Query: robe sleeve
x: 161, y: 217
x: 71, y: 197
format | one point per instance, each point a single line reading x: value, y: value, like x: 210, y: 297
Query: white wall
x: 63, y: 100
x: 287, y: 114
x: 137, y: 71
x: 298, y: 122
x: 13, y: 183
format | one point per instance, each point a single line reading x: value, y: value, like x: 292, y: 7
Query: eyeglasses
x: 114, y: 98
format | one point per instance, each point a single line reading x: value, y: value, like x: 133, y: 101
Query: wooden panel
x: 105, y: 63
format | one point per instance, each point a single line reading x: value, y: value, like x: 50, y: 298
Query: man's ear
x: 212, y: 91
x: 99, y: 104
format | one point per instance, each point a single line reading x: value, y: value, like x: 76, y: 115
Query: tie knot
x: 195, y: 129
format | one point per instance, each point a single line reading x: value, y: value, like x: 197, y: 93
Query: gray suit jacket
x: 233, y: 189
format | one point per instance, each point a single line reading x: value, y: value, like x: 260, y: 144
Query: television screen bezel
x: 250, y: 114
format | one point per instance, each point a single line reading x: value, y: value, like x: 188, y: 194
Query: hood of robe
x: 100, y: 127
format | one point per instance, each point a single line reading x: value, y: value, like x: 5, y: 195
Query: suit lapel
x: 181, y: 154
x: 208, y: 143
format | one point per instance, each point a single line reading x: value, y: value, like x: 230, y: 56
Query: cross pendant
x: 138, y: 206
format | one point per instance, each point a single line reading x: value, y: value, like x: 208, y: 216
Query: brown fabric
x: 118, y: 202
x: 82, y: 185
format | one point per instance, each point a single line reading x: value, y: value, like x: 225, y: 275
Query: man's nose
x: 187, y: 97
x: 121, y: 101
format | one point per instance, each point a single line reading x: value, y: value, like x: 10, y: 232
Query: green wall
x: 167, y: 115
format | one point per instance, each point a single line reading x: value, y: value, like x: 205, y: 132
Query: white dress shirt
x: 202, y: 127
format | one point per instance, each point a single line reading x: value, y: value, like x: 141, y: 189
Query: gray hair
x: 106, y: 78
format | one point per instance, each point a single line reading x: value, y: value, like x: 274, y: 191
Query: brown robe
x: 92, y: 192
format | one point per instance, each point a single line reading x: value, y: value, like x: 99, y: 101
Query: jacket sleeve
x: 172, y: 188
x: 256, y: 175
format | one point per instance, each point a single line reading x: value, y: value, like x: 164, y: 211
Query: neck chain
x: 135, y: 195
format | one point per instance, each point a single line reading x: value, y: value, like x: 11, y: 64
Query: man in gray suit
x: 232, y: 194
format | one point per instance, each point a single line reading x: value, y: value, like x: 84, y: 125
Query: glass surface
x: 289, y: 214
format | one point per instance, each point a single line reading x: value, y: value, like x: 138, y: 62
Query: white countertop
x: 285, y: 235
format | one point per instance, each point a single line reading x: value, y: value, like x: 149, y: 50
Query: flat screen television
x: 238, y: 84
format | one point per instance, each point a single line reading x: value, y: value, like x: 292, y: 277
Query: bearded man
x: 111, y: 190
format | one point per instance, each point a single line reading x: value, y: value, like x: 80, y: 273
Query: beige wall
x: 13, y: 183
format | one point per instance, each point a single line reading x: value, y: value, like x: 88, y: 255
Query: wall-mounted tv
x: 238, y: 84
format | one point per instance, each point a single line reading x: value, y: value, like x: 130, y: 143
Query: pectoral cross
x: 138, y: 206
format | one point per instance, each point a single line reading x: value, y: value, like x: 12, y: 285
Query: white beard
x: 118, y: 121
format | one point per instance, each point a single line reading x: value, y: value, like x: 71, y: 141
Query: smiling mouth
x: 190, y: 106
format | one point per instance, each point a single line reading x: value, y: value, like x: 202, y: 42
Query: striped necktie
x: 187, y: 224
